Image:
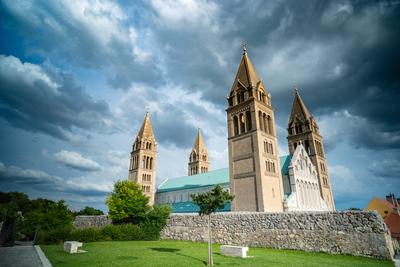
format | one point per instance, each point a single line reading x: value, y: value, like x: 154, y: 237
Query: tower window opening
x: 242, y: 124
x: 248, y: 120
x: 235, y: 125
x: 261, y: 122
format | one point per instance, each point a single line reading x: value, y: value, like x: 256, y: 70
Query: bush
x: 55, y: 236
x: 123, y: 232
x: 88, y: 235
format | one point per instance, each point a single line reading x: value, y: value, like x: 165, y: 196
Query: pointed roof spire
x: 199, y: 145
x: 246, y: 73
x: 146, y: 130
x: 299, y: 109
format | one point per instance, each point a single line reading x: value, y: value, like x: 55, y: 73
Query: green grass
x: 180, y: 253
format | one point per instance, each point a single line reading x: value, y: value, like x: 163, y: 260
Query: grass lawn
x: 180, y: 253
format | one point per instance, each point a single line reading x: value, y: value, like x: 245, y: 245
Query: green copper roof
x: 285, y: 161
x: 220, y: 176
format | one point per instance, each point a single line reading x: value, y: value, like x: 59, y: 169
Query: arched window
x: 241, y: 123
x: 265, y: 123
x: 235, y: 125
x: 248, y: 120
x: 151, y: 163
x: 270, y: 128
x: 261, y: 122
x: 144, y: 162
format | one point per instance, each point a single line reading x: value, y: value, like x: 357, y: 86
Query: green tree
x: 127, y: 203
x: 209, y: 202
x: 46, y: 215
x: 89, y: 211
x: 12, y: 206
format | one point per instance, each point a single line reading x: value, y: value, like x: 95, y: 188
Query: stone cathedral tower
x: 254, y: 167
x: 198, y: 159
x: 142, y: 168
x: 303, y: 129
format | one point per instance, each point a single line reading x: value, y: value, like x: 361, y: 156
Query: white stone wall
x: 304, y: 185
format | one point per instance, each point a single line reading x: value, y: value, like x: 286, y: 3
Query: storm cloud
x: 90, y: 70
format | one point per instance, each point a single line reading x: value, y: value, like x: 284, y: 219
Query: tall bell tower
x: 142, y: 169
x: 198, y: 159
x: 303, y: 129
x: 254, y: 167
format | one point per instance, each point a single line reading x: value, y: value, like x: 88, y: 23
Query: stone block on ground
x: 73, y: 247
x: 235, y: 251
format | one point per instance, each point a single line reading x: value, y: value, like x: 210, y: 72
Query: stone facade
x: 82, y: 222
x: 301, y: 184
x: 198, y: 159
x: 354, y: 233
x: 142, y: 168
x: 303, y: 129
x: 255, y: 177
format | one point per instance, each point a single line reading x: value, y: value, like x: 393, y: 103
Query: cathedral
x: 257, y: 175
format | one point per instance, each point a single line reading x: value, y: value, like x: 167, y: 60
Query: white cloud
x: 76, y: 161
x: 180, y: 13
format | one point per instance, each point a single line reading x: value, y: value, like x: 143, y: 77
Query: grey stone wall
x: 82, y: 222
x: 354, y: 233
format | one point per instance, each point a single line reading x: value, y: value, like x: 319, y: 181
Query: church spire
x: 146, y: 130
x: 198, y: 159
x: 199, y: 143
x: 299, y: 109
x: 246, y: 75
x: 142, y: 168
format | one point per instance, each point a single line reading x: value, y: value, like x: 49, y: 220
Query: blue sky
x: 76, y: 79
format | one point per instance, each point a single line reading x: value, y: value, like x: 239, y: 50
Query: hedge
x: 120, y: 232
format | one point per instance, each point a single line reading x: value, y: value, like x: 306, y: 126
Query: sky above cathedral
x: 77, y: 77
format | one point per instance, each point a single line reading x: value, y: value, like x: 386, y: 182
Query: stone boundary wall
x: 356, y: 233
x: 86, y: 221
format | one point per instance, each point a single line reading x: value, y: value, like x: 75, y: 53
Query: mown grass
x: 180, y: 253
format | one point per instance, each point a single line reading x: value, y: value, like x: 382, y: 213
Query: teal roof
x: 220, y: 176
x: 186, y: 207
x: 285, y: 161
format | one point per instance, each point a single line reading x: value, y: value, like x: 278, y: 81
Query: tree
x: 46, y: 215
x: 209, y: 202
x: 127, y: 203
x: 12, y: 206
x: 89, y: 211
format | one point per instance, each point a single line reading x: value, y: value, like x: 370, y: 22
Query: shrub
x: 123, y: 232
x: 88, y: 235
x: 55, y: 236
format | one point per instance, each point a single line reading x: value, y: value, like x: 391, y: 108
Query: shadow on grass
x: 175, y: 251
x: 165, y: 249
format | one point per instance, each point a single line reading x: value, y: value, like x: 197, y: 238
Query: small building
x: 382, y: 206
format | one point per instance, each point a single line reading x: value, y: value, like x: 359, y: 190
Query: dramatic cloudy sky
x: 76, y: 78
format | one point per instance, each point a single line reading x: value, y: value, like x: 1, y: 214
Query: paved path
x: 19, y: 256
x: 397, y: 261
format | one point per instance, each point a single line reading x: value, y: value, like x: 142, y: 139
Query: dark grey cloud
x: 88, y: 34
x: 23, y: 179
x: 39, y: 98
x: 387, y: 168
